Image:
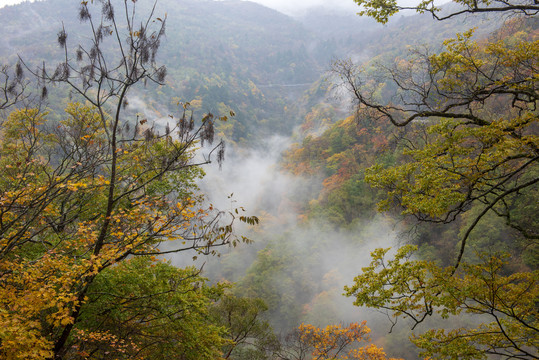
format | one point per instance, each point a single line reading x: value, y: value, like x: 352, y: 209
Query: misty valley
x: 200, y: 179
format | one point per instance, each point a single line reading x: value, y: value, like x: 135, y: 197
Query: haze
x: 290, y: 7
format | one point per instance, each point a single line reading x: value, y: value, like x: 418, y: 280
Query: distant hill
x: 230, y: 55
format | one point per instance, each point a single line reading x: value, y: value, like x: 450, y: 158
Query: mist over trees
x: 128, y: 231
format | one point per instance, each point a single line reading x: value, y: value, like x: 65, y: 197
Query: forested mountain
x: 266, y: 59
x: 349, y: 135
x: 251, y: 49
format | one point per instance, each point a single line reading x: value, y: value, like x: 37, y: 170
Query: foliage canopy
x: 82, y: 198
x: 468, y: 149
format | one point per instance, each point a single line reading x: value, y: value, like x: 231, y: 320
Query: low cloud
x: 297, y: 7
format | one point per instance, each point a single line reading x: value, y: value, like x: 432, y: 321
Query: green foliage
x: 283, y: 283
x: 155, y: 310
x: 52, y: 250
x: 468, y: 156
x: 378, y: 9
x: 249, y: 335
x: 233, y: 53
x: 457, y: 159
x: 415, y: 289
x: 449, y: 157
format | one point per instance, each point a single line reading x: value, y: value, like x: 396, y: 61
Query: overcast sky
x: 8, y: 2
x: 286, y: 6
x: 293, y: 6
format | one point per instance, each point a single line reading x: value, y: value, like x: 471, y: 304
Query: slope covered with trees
x: 107, y: 122
x: 465, y: 163
x: 224, y: 56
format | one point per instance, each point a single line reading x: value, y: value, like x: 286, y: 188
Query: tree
x: 143, y: 309
x: 332, y: 342
x: 415, y: 289
x: 382, y: 10
x: 469, y: 149
x: 469, y: 155
x: 474, y: 107
x: 249, y: 335
x: 94, y: 189
x: 12, y: 86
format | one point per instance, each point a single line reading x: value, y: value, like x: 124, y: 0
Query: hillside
x: 410, y: 146
x: 230, y: 54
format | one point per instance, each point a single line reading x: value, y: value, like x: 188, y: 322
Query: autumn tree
x: 415, y: 289
x: 331, y: 343
x: 96, y: 189
x: 469, y: 150
x: 478, y: 145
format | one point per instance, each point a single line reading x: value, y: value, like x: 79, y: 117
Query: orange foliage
x: 338, y: 342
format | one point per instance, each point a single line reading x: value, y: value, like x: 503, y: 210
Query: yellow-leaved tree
x: 81, y: 199
x: 332, y: 342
